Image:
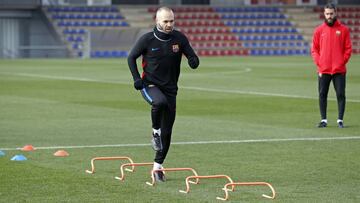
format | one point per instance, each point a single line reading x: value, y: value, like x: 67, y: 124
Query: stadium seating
x: 75, y: 21
x: 218, y: 31
x: 213, y: 31
x: 109, y: 54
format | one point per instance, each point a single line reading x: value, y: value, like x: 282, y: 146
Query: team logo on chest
x: 175, y: 48
x: 338, y: 32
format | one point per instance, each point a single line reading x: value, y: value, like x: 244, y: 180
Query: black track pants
x: 163, y: 111
x: 339, y: 82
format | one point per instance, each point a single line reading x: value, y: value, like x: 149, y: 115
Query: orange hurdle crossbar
x: 226, y: 190
x: 122, y: 176
x: 203, y: 177
x: 152, y: 172
x: 108, y: 159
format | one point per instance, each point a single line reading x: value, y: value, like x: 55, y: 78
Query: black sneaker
x: 322, y: 124
x: 341, y: 124
x: 156, y: 142
x: 159, y: 176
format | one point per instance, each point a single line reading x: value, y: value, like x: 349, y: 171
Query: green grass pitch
x: 251, y: 118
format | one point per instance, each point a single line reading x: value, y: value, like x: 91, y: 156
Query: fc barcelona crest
x: 175, y: 48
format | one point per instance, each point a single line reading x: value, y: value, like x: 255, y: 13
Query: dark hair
x: 330, y: 6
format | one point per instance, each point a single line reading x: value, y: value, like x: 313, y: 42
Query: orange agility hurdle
x: 122, y: 176
x: 203, y: 177
x: 247, y: 184
x: 172, y: 169
x: 108, y: 159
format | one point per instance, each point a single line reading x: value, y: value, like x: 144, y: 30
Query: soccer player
x: 161, y: 52
x: 331, y: 50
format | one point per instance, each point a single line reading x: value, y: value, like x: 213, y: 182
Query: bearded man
x: 331, y: 50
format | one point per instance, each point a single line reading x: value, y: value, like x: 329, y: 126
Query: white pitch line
x: 182, y: 87
x: 200, y: 142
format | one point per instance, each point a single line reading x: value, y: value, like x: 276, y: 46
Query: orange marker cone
x: 61, y: 153
x: 28, y: 148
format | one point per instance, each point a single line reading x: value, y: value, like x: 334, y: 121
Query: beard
x: 330, y: 22
x: 162, y: 29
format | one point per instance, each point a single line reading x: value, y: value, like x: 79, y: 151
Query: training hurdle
x: 226, y: 190
x: 122, y: 176
x: 187, y: 181
x: 152, y: 172
x: 109, y: 159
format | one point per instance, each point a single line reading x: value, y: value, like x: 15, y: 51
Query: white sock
x: 157, y: 166
x: 338, y: 121
x: 157, y: 131
x: 324, y: 120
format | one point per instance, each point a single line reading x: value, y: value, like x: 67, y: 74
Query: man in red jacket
x: 331, y: 50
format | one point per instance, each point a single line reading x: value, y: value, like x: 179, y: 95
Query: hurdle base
x: 118, y: 178
x: 267, y: 196
x: 220, y: 198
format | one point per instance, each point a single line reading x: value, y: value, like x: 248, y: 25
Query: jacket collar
x: 162, y: 36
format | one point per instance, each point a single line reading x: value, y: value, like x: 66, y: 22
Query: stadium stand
x: 77, y: 23
x: 219, y: 31
x: 212, y: 31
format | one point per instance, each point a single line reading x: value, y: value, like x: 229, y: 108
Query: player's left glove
x: 138, y: 84
x: 193, y: 62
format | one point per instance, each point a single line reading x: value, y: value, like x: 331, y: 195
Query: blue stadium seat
x: 114, y: 9
x: 76, y: 23
x: 285, y: 37
x: 106, y: 54
x: 305, y: 52
x: 263, y: 37
x: 85, y: 23
x: 81, y: 31
x: 79, y: 39
x: 269, y: 52
x: 61, y: 24
x: 290, y: 52
x: 99, y: 54
x: 124, y: 23
x: 70, y: 38
x: 66, y: 31
x: 92, y: 23
x: 115, y: 54
x: 269, y: 44
x: 276, y: 52
x: 254, y: 52
x: 76, y: 46
x: 68, y: 23
x: 100, y: 23
x: 72, y: 16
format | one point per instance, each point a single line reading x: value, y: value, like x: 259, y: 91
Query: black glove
x: 138, y: 84
x: 193, y: 62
